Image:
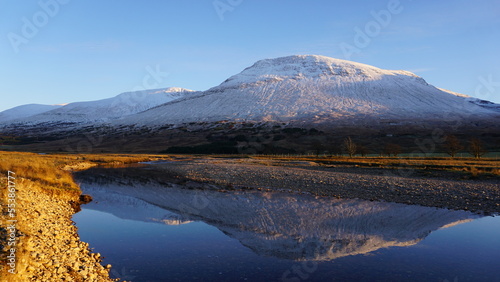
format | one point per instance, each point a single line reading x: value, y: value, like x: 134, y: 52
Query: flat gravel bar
x: 480, y: 196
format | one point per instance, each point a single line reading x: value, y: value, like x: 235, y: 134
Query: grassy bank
x: 53, y: 171
x: 466, y: 166
x: 45, y: 199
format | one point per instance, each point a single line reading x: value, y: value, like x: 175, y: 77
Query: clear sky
x: 61, y: 51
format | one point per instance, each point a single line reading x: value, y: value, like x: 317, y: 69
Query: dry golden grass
x: 48, y: 174
x: 48, y: 170
x: 475, y: 166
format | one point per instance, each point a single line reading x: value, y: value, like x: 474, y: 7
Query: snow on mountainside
x: 125, y: 104
x: 310, y: 88
x: 25, y: 111
x: 476, y: 101
x: 306, y: 89
x: 127, y: 207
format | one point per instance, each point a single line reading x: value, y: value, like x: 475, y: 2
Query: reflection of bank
x: 297, y: 227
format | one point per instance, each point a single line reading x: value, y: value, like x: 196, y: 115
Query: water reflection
x: 280, y: 225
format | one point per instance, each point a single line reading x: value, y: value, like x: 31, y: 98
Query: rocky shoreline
x: 48, y: 247
x: 408, y: 187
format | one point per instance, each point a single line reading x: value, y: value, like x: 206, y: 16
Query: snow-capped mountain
x: 127, y: 207
x: 305, y: 89
x: 25, y: 111
x: 312, y: 88
x: 125, y: 104
x: 282, y: 225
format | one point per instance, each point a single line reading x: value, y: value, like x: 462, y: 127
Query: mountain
x: 282, y: 225
x: 25, y: 111
x: 260, y: 110
x: 305, y: 89
x: 313, y: 89
x: 479, y: 102
x: 125, y: 104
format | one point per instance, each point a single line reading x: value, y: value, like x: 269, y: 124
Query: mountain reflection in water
x: 281, y: 225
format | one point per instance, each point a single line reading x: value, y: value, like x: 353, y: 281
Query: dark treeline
x: 316, y: 142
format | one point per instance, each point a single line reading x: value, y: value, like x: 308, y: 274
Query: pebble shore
x: 48, y: 247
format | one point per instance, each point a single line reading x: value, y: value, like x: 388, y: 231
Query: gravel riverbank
x: 47, y: 246
x: 446, y: 191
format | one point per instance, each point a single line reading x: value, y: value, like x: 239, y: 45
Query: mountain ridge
x: 24, y: 111
x: 103, y: 110
x: 303, y: 91
x: 298, y: 88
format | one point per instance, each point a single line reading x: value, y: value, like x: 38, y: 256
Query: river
x: 152, y: 230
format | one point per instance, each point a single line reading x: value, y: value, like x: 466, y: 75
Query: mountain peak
x: 309, y: 67
x: 315, y: 89
x: 311, y: 61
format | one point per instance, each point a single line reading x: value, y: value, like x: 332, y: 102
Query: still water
x: 151, y: 230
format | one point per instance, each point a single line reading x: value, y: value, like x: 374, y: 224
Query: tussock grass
x: 45, y: 170
x: 475, y: 166
x: 51, y: 173
x: 48, y: 171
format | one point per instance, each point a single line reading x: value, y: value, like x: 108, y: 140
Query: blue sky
x: 60, y: 51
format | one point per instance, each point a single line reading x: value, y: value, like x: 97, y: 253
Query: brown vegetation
x: 51, y: 171
x: 350, y: 147
x: 484, y: 166
x: 452, y: 145
x: 476, y: 148
x: 49, y: 177
x: 392, y: 149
